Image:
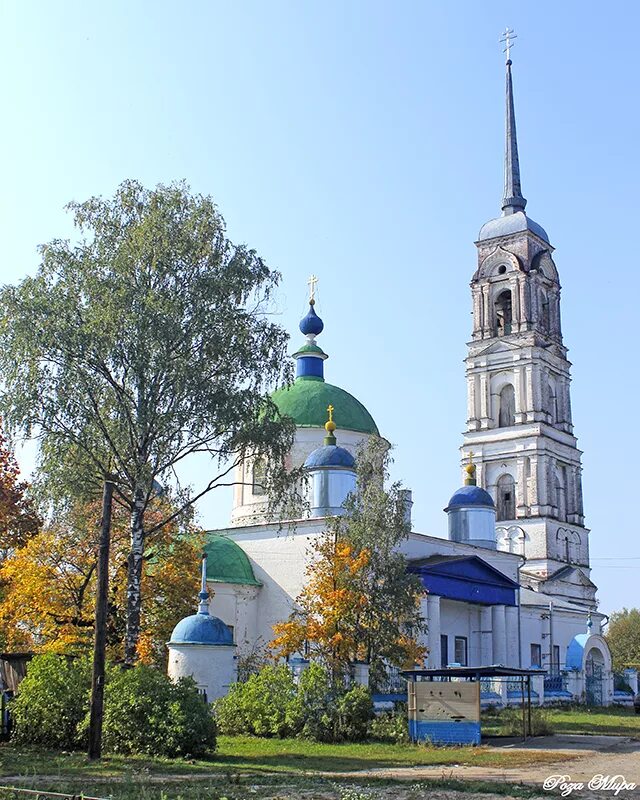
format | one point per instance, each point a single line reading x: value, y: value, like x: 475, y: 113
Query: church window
x: 460, y: 650
x: 555, y: 659
x: 502, y: 269
x: 507, y: 409
x: 553, y: 402
x: 259, y: 473
x: 444, y: 650
x: 536, y: 655
x: 503, y: 313
x: 506, y: 498
x: 544, y: 311
x: 561, y: 493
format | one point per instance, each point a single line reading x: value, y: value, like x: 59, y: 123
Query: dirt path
x: 579, y: 759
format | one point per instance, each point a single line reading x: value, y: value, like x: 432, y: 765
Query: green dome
x: 306, y: 400
x: 227, y: 562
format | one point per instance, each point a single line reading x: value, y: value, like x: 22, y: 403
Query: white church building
x: 510, y: 582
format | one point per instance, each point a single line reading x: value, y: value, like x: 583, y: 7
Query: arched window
x: 561, y: 493
x: 503, y: 313
x: 544, y: 310
x: 258, y: 475
x: 553, y: 401
x: 507, y: 407
x: 505, y: 498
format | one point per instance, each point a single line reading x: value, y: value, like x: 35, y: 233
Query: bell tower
x: 519, y: 425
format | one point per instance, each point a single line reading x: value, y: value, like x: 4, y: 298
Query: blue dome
x: 311, y: 323
x: 470, y: 496
x: 201, y: 629
x: 330, y: 455
x: 575, y: 651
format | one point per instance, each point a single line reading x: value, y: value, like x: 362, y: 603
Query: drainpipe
x: 520, y: 565
x: 551, y: 638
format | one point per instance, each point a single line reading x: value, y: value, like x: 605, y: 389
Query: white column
x: 512, y: 628
x: 472, y: 407
x: 529, y: 402
x: 519, y: 382
x: 499, y: 635
x: 486, y: 636
x: 484, y: 401
x: 433, y: 632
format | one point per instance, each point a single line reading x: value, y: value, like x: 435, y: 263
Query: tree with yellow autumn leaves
x: 49, y: 583
x: 360, y: 603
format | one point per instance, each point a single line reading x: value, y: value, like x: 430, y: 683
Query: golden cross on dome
x: 470, y: 458
x: 312, y: 287
x: 330, y: 409
x: 507, y: 38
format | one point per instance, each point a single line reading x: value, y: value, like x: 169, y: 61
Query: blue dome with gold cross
x: 307, y: 399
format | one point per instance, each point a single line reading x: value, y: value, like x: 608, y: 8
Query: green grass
x: 610, y: 721
x: 284, y: 789
x: 245, y: 754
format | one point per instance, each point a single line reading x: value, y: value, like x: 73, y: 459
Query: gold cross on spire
x: 330, y: 409
x: 312, y: 287
x: 507, y: 39
x: 470, y: 458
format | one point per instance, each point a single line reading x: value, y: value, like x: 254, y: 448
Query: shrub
x: 509, y: 721
x: 263, y: 705
x: 354, y: 713
x: 147, y: 713
x: 313, y: 709
x: 270, y: 704
x: 391, y: 726
x: 53, y: 699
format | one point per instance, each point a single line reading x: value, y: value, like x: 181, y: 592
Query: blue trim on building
x: 469, y: 579
x: 309, y: 367
x: 445, y: 732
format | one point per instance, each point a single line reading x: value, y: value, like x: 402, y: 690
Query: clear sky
x: 362, y: 141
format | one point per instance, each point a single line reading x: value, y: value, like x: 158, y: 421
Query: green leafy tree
x: 390, y: 623
x: 146, y: 342
x: 360, y: 603
x: 623, y: 637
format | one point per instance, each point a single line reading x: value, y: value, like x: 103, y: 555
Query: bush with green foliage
x: 262, y: 706
x: 391, y: 726
x: 508, y: 721
x: 53, y: 700
x: 145, y: 712
x: 270, y: 703
x: 354, y: 710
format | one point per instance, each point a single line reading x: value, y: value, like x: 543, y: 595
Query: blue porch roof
x: 466, y: 578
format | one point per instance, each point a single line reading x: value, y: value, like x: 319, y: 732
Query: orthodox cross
x: 471, y: 458
x: 330, y: 410
x: 312, y: 287
x: 507, y: 39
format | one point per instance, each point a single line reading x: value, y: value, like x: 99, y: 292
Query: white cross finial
x: 312, y: 287
x: 507, y: 38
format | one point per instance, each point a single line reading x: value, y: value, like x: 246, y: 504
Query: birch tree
x: 145, y: 342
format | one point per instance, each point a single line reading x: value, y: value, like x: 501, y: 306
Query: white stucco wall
x: 211, y: 666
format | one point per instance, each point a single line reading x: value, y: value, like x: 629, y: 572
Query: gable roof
x: 469, y: 579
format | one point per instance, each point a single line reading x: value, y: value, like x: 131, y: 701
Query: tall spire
x: 512, y: 201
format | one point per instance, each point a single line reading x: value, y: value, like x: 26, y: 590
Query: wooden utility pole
x: 100, y: 636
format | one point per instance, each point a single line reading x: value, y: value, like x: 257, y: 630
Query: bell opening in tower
x: 503, y: 313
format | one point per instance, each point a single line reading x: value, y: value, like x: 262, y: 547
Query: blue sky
x: 362, y: 141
